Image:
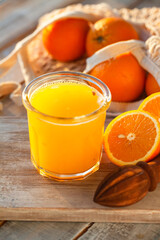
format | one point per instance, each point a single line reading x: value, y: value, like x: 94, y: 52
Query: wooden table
x: 17, y: 19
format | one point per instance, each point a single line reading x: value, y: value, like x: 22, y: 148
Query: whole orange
x: 107, y: 31
x: 65, y: 39
x: 151, y: 85
x: 123, y: 75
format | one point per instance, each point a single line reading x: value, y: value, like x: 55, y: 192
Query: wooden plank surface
x: 42, y: 230
x: 128, y: 231
x: 25, y: 230
x: 13, y: 230
x: 25, y: 195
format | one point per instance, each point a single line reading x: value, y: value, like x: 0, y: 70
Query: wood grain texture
x: 16, y: 230
x: 40, y: 230
x: 129, y: 184
x: 125, y: 187
x: 25, y: 195
x: 118, y: 231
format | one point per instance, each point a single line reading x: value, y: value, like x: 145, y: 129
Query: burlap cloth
x: 34, y: 60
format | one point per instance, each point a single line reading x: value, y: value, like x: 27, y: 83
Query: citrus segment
x: 132, y: 137
x: 151, y: 104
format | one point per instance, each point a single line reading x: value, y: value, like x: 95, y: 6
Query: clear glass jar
x: 66, y: 148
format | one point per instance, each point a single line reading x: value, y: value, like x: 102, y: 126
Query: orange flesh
x: 131, y: 150
x: 153, y: 107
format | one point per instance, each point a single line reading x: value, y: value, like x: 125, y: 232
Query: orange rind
x: 132, y: 137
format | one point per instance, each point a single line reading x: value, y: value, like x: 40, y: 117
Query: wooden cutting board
x: 25, y: 195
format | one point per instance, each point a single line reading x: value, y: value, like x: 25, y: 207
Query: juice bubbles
x: 66, y: 127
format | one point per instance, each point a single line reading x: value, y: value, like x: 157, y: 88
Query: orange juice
x: 66, y: 129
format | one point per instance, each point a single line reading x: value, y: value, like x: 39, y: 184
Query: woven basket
x: 35, y: 61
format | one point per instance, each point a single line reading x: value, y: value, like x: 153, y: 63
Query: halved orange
x: 132, y: 137
x: 151, y: 104
x: 151, y: 85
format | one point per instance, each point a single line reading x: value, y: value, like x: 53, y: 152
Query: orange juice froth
x: 67, y: 147
x: 66, y: 99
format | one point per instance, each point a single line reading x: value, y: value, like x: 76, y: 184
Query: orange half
x: 151, y: 104
x: 132, y: 137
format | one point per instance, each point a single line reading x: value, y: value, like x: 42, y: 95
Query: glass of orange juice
x: 66, y: 114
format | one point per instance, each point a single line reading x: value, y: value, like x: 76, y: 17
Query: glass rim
x: 83, y: 76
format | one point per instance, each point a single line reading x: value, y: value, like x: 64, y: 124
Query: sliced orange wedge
x: 132, y: 137
x: 151, y: 104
